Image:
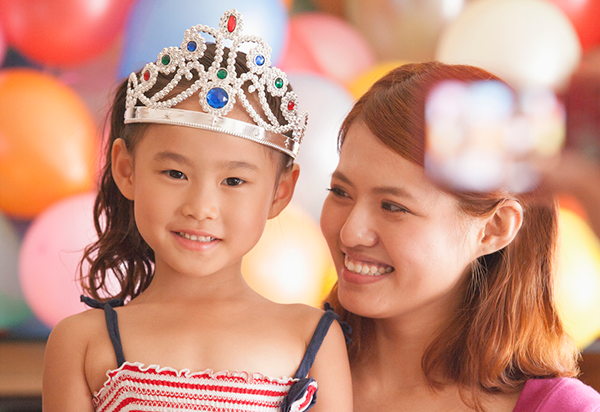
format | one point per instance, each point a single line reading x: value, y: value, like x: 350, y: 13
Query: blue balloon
x: 156, y: 24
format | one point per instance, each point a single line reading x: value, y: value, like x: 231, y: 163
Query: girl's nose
x: 201, y: 203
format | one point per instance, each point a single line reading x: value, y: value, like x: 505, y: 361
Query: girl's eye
x: 233, y: 181
x: 175, y: 174
x: 338, y: 192
x: 392, y: 207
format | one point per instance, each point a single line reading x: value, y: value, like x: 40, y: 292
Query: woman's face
x: 401, y: 245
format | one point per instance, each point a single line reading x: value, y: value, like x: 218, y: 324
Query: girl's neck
x: 167, y: 286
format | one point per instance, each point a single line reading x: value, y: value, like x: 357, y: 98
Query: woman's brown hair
x: 507, y: 329
x: 120, y: 252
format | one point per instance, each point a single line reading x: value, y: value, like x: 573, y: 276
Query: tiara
x: 219, y: 87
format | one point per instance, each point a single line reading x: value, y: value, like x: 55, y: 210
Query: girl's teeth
x: 196, y: 238
x: 365, y: 269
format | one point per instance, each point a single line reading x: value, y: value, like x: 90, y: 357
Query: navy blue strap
x: 112, y: 323
x: 315, y: 343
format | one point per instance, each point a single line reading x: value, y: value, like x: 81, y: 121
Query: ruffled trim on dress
x: 245, y: 377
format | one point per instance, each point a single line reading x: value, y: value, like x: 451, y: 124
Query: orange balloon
x: 47, y: 142
x: 291, y: 262
x: 364, y: 81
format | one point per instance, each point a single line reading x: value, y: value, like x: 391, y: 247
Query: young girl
x: 200, y: 155
x: 449, y: 294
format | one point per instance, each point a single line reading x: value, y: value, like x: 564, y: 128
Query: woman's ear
x: 122, y: 168
x: 501, y: 228
x: 284, y: 191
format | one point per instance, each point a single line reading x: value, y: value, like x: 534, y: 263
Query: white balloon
x: 327, y: 104
x: 528, y: 43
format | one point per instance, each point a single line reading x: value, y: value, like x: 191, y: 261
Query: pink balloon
x: 327, y: 45
x: 49, y: 257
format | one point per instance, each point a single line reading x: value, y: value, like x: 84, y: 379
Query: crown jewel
x: 219, y: 87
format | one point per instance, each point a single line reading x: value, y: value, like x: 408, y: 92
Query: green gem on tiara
x: 279, y: 82
x: 222, y: 73
x: 166, y: 59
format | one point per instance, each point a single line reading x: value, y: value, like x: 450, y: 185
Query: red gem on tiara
x: 291, y: 106
x: 146, y: 75
x: 231, y: 23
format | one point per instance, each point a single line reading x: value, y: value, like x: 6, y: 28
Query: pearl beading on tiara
x: 219, y: 87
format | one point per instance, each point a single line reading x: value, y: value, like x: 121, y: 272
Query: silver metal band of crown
x: 200, y: 120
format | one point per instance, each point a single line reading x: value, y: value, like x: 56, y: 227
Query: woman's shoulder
x: 558, y: 394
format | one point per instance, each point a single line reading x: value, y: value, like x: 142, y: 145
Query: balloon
x: 156, y: 24
x: 62, y: 33
x: 47, y: 142
x: 578, y: 285
x: 2, y: 46
x: 290, y: 262
x: 328, y: 103
x: 407, y: 29
x: 585, y: 15
x: 50, y: 254
x: 331, y: 46
x: 13, y: 308
x: 362, y: 83
x: 529, y: 43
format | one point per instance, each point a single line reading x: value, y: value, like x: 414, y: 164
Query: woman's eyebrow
x: 340, y: 176
x: 394, y: 191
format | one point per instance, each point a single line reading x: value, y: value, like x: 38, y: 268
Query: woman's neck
x: 389, y: 371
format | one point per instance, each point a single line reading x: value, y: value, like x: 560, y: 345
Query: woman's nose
x: 358, y: 229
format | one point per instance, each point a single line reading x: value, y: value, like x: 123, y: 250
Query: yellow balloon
x: 362, y: 83
x: 291, y: 261
x: 578, y: 283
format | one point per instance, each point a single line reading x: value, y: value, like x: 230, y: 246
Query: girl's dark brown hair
x: 507, y: 329
x: 120, y: 252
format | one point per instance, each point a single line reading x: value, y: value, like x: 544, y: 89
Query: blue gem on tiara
x: 259, y: 60
x: 217, y: 98
x: 192, y: 46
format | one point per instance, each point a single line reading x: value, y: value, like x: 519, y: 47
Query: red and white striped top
x: 134, y: 387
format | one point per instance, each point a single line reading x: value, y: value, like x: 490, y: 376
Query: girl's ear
x: 122, y: 168
x: 285, y: 191
x: 501, y: 228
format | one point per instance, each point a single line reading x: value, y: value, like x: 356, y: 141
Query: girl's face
x: 201, y: 198
x: 399, y: 243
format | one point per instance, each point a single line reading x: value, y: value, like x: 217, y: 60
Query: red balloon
x: 62, y: 33
x: 585, y: 16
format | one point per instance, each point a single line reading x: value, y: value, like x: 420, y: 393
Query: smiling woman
x: 449, y: 293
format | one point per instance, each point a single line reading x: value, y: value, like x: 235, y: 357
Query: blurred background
x: 61, y: 60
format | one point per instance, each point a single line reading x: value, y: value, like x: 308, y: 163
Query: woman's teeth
x: 196, y: 238
x: 366, y: 269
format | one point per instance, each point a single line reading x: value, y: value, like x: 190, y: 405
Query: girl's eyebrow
x: 238, y: 164
x: 165, y: 155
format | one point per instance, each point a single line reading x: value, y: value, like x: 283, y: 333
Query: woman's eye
x: 175, y: 174
x: 233, y: 181
x: 338, y: 191
x: 392, y: 207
